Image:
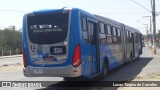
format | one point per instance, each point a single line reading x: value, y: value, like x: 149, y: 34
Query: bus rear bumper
x: 68, y: 71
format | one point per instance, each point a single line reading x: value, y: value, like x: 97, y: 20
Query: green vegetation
x: 158, y: 34
x: 154, y: 75
x: 158, y: 39
x: 10, y: 41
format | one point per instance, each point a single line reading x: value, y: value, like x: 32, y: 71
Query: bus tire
x: 131, y: 56
x: 138, y: 55
x: 105, y: 70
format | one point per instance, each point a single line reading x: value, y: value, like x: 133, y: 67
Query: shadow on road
x: 126, y: 72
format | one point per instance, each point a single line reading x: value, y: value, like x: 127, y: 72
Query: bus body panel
x: 38, y: 51
x: 65, y: 71
x: 73, y: 40
x: 93, y: 55
x: 89, y: 52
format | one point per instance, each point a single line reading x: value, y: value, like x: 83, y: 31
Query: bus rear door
x: 93, y: 40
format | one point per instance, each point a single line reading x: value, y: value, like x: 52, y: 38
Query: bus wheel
x: 131, y: 56
x: 105, y: 71
x: 138, y: 55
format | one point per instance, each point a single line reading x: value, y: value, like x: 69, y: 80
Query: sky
x: 124, y: 11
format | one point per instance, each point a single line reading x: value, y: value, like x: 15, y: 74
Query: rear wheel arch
x: 106, y: 61
x: 131, y: 56
x: 139, y: 53
x: 105, y: 67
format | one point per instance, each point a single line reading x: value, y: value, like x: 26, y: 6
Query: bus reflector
x: 24, y: 59
x: 77, y: 56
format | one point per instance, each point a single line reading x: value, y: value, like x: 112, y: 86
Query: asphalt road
x: 147, y: 64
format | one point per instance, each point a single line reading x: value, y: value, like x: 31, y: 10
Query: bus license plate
x: 38, y: 71
x: 58, y: 50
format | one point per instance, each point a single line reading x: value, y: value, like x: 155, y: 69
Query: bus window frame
x: 108, y: 29
x: 119, y: 41
x: 82, y: 28
x: 100, y: 27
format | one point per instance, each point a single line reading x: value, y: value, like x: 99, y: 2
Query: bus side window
x: 102, y: 28
x: 127, y: 36
x: 84, y: 28
x: 130, y: 37
x: 119, y: 36
x: 109, y: 34
x: 114, y: 35
x: 114, y: 31
x: 108, y: 30
x: 91, y: 30
x: 102, y: 34
x: 118, y: 32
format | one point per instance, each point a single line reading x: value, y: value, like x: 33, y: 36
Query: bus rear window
x: 47, y: 28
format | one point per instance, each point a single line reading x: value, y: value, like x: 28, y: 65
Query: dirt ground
x: 11, y: 68
x: 150, y: 77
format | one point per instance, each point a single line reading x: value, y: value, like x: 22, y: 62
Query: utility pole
x: 154, y: 26
x: 153, y: 22
x: 150, y: 29
x: 146, y: 26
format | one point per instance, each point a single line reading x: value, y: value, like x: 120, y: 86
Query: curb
x: 151, y: 51
x: 2, y: 57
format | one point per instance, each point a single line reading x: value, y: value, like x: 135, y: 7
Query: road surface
x: 146, y: 65
x: 6, y: 60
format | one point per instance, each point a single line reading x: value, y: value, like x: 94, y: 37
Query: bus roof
x: 101, y: 18
x: 107, y: 20
x: 117, y: 23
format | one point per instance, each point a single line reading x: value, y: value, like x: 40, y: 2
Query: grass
x: 154, y: 76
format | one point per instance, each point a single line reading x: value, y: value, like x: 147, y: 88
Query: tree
x: 10, y: 39
x: 158, y: 34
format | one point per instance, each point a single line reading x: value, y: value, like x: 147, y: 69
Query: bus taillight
x: 77, y: 56
x: 24, y: 59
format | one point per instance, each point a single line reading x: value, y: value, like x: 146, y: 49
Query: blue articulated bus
x: 70, y: 42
